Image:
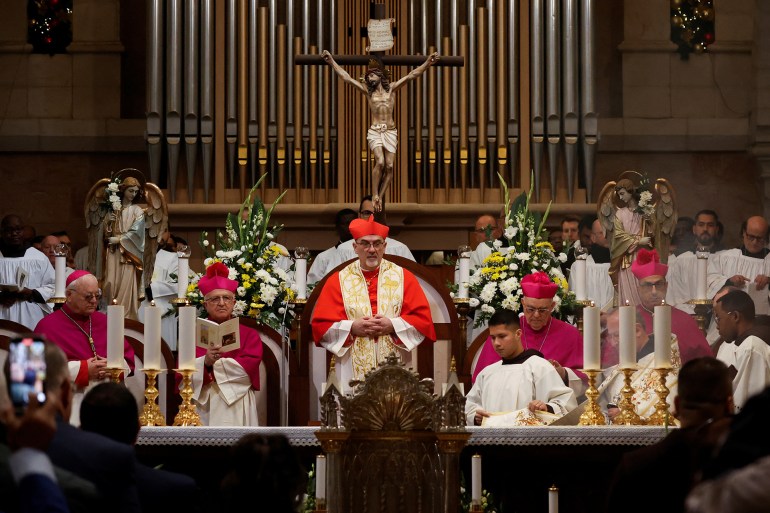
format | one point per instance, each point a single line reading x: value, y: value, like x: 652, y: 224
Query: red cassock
x: 248, y: 356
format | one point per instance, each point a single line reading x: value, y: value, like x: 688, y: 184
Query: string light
x: 49, y: 28
x: 692, y: 25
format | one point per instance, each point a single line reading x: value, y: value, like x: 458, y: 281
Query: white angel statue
x: 123, y: 235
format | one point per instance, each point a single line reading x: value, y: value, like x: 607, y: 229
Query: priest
x: 370, y: 308
x: 81, y: 332
x: 559, y: 342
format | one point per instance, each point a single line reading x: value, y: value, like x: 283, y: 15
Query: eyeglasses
x: 223, y: 299
x: 366, y: 213
x: 755, y: 238
x: 530, y: 310
x: 657, y: 284
x: 716, y: 316
x: 377, y: 244
x: 94, y: 296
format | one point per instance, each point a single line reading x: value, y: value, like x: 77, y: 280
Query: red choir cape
x: 62, y: 331
x: 692, y: 342
x: 330, y: 307
x: 564, y: 343
x: 248, y: 356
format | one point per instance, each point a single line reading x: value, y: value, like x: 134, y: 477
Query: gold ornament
x: 707, y: 13
x: 677, y: 21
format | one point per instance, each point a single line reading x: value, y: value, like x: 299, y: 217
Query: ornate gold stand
x: 115, y: 373
x: 151, y: 414
x: 592, y: 415
x: 187, y: 415
x: 320, y: 506
x: 180, y: 301
x: 298, y: 306
x: 627, y: 415
x: 476, y: 508
x: 56, y: 300
x: 662, y: 416
x: 579, y: 314
x: 463, y: 307
x: 701, y: 310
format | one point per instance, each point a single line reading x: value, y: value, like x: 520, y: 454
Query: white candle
x: 320, y: 477
x: 662, y: 331
x: 702, y: 269
x: 182, y: 277
x: 553, y: 500
x: 115, y: 338
x: 186, y: 339
x: 152, y: 337
x: 579, y: 270
x: 60, y: 268
x: 627, y: 337
x: 464, y: 275
x: 476, y: 478
x: 300, y: 277
x: 591, y: 338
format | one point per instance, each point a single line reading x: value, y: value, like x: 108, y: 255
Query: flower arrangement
x: 497, y: 284
x: 645, y: 205
x: 246, y: 247
x: 112, y: 201
x: 487, y: 500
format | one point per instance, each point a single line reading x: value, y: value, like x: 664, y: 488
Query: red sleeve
x: 415, y: 309
x: 81, y: 379
x: 328, y: 309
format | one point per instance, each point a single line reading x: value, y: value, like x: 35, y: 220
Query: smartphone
x: 28, y: 371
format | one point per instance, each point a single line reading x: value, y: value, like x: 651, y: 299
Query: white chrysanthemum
x: 557, y: 301
x: 206, y: 243
x: 487, y: 309
x: 562, y: 257
x: 545, y: 265
x: 281, y: 311
x: 260, y: 261
x: 262, y: 274
x: 488, y: 292
x: 241, y: 291
x: 233, y: 274
x: 510, y: 232
x: 473, y: 302
x: 220, y: 253
x: 281, y: 274
x: 509, y: 285
x: 113, y: 187
x: 522, y: 256
x: 239, y: 308
x: 241, y: 261
x: 247, y: 265
x: 497, y: 244
x: 475, y: 279
x: 513, y: 267
x: 268, y: 293
x: 510, y: 303
x: 243, y: 248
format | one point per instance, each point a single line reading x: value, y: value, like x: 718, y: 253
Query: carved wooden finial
x: 332, y: 363
x: 453, y: 365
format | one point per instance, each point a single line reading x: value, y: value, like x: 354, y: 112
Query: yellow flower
x: 544, y: 244
x: 245, y: 277
x: 561, y: 282
x: 246, y: 285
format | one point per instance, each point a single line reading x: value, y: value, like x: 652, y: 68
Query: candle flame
x: 628, y: 303
x: 152, y: 303
x: 114, y: 301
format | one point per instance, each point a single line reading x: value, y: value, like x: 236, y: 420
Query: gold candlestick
x: 581, y: 304
x: 115, y: 373
x: 462, y: 305
x: 662, y: 415
x: 627, y: 415
x: 151, y: 414
x: 476, y: 507
x: 320, y: 506
x: 298, y: 306
x: 592, y: 415
x: 701, y: 310
x: 187, y: 415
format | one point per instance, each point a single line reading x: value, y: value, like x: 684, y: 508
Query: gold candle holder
x: 298, y: 306
x: 57, y: 300
x: 187, y: 415
x: 476, y: 507
x: 701, y: 310
x: 320, y: 506
x: 627, y: 415
x: 581, y: 304
x: 662, y: 415
x: 115, y: 373
x: 462, y: 305
x: 151, y: 414
x: 180, y: 301
x: 592, y: 415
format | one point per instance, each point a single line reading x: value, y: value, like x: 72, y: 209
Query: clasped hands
x: 97, y: 368
x: 373, y: 326
x: 760, y: 281
x: 533, y: 406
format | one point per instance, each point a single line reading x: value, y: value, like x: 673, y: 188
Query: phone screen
x: 27, y: 361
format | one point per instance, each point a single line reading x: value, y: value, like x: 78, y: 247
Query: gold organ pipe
x: 431, y: 79
x: 501, y: 132
x: 481, y: 96
x: 463, y: 106
x: 243, y: 94
x: 297, y: 120
x: 363, y: 116
x: 418, y: 153
x: 327, y: 126
x: 446, y: 78
x: 264, y: 107
x: 313, y: 122
x: 281, y: 104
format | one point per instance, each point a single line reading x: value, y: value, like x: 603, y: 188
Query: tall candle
x: 476, y: 478
x: 627, y: 337
x: 464, y: 274
x: 702, y: 269
x: 300, y: 277
x: 591, y: 338
x: 182, y: 277
x: 115, y: 338
x: 60, y: 267
x: 152, y: 315
x: 186, y: 339
x: 320, y: 477
x: 662, y: 331
x: 553, y: 499
x: 579, y: 270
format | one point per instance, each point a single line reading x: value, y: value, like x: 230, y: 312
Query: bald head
x: 485, y: 229
x: 597, y: 234
x: 83, y: 295
x: 48, y: 245
x: 755, y: 234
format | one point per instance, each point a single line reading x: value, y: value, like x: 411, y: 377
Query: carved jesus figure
x: 382, y: 135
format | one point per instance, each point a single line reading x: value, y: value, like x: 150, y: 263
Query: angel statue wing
x: 156, y: 224
x: 95, y: 211
x: 606, y: 208
x: 665, y: 217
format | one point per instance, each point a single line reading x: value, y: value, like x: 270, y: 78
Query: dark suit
x: 108, y: 464
x: 163, y: 491
x: 38, y: 494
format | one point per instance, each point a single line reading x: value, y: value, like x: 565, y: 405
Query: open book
x: 522, y: 417
x: 211, y: 335
x: 21, y: 282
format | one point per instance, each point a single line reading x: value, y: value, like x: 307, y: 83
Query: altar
x: 518, y: 464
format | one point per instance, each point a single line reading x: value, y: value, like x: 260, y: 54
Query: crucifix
x: 379, y: 91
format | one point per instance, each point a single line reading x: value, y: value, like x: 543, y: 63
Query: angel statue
x: 123, y: 233
x: 635, y: 216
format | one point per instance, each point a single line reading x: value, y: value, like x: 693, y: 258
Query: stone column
x: 760, y: 117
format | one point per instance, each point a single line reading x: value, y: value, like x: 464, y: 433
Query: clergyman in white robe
x: 726, y: 264
x: 40, y: 277
x: 751, y: 359
x: 164, y: 289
